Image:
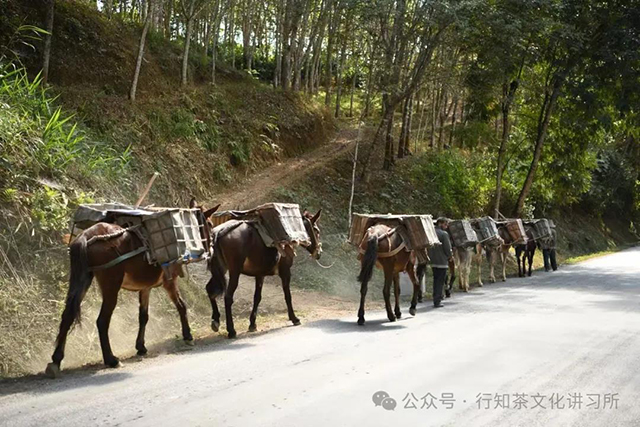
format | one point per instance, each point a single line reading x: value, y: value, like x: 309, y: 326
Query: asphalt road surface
x: 565, y: 344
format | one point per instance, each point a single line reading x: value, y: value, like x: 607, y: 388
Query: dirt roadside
x: 257, y: 188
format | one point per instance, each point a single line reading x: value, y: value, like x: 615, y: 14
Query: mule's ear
x: 316, y: 217
x: 210, y: 212
x: 192, y: 203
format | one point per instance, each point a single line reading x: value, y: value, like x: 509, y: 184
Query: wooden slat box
x: 462, y: 233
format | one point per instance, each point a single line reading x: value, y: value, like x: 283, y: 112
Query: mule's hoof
x: 412, y: 311
x: 115, y: 363
x: 361, y: 321
x: 232, y: 334
x: 296, y: 322
x: 142, y: 352
x: 480, y: 284
x: 190, y: 342
x: 253, y: 328
x: 504, y: 279
x: 52, y: 371
x: 466, y: 290
x: 215, y: 326
x: 398, y: 315
x: 419, y: 300
x: 392, y: 318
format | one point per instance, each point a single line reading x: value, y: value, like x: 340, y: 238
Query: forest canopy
x: 545, y: 90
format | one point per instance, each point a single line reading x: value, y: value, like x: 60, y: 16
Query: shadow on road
x: 98, y: 374
x: 338, y: 326
x: 71, y: 379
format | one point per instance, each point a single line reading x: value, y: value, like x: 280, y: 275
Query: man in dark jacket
x: 440, y: 255
x: 548, y: 246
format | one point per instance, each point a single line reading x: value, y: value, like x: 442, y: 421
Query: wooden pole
x: 147, y: 188
x: 353, y: 173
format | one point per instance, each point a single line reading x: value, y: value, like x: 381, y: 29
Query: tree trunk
x: 168, y: 12
x: 453, y: 121
x: 108, y: 8
x: 387, y: 116
x: 388, y: 147
x: 343, y: 50
x: 403, y: 130
x: 187, y: 42
x: 434, y: 115
x: 216, y: 20
x: 353, y: 89
x: 246, y: 35
x: 46, y: 56
x: 277, y: 75
x: 543, y: 125
x: 367, y: 102
x: 143, y: 38
x: 509, y: 92
x: 328, y: 71
x: 407, y: 135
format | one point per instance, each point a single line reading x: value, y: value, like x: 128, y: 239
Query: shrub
x: 458, y: 182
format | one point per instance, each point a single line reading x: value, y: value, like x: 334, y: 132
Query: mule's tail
x: 420, y: 271
x: 218, y: 282
x: 369, y: 260
x: 80, y: 278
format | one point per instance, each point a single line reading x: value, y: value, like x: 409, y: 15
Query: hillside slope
x: 214, y: 134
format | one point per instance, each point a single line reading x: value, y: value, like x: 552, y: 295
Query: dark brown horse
x: 383, y: 247
x: 526, y: 252
x: 101, y: 245
x: 242, y: 251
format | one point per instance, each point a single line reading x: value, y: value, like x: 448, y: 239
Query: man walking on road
x: 548, y: 247
x: 440, y: 255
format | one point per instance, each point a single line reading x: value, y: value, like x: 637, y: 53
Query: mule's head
x: 206, y: 214
x: 503, y: 232
x: 311, y: 225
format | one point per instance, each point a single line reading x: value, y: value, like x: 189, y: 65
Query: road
x: 566, y: 334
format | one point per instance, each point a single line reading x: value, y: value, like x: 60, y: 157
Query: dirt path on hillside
x: 256, y: 189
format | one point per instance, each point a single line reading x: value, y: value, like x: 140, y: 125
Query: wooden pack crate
x: 421, y: 231
x: 221, y: 217
x: 278, y: 223
x: 541, y: 229
x: 516, y: 230
x: 487, y: 231
x: 173, y: 235
x: 284, y: 223
x: 169, y: 234
x: 418, y: 228
x: 462, y: 234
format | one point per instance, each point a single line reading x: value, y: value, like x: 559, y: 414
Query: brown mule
x: 242, y: 251
x: 383, y: 247
x: 97, y: 246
